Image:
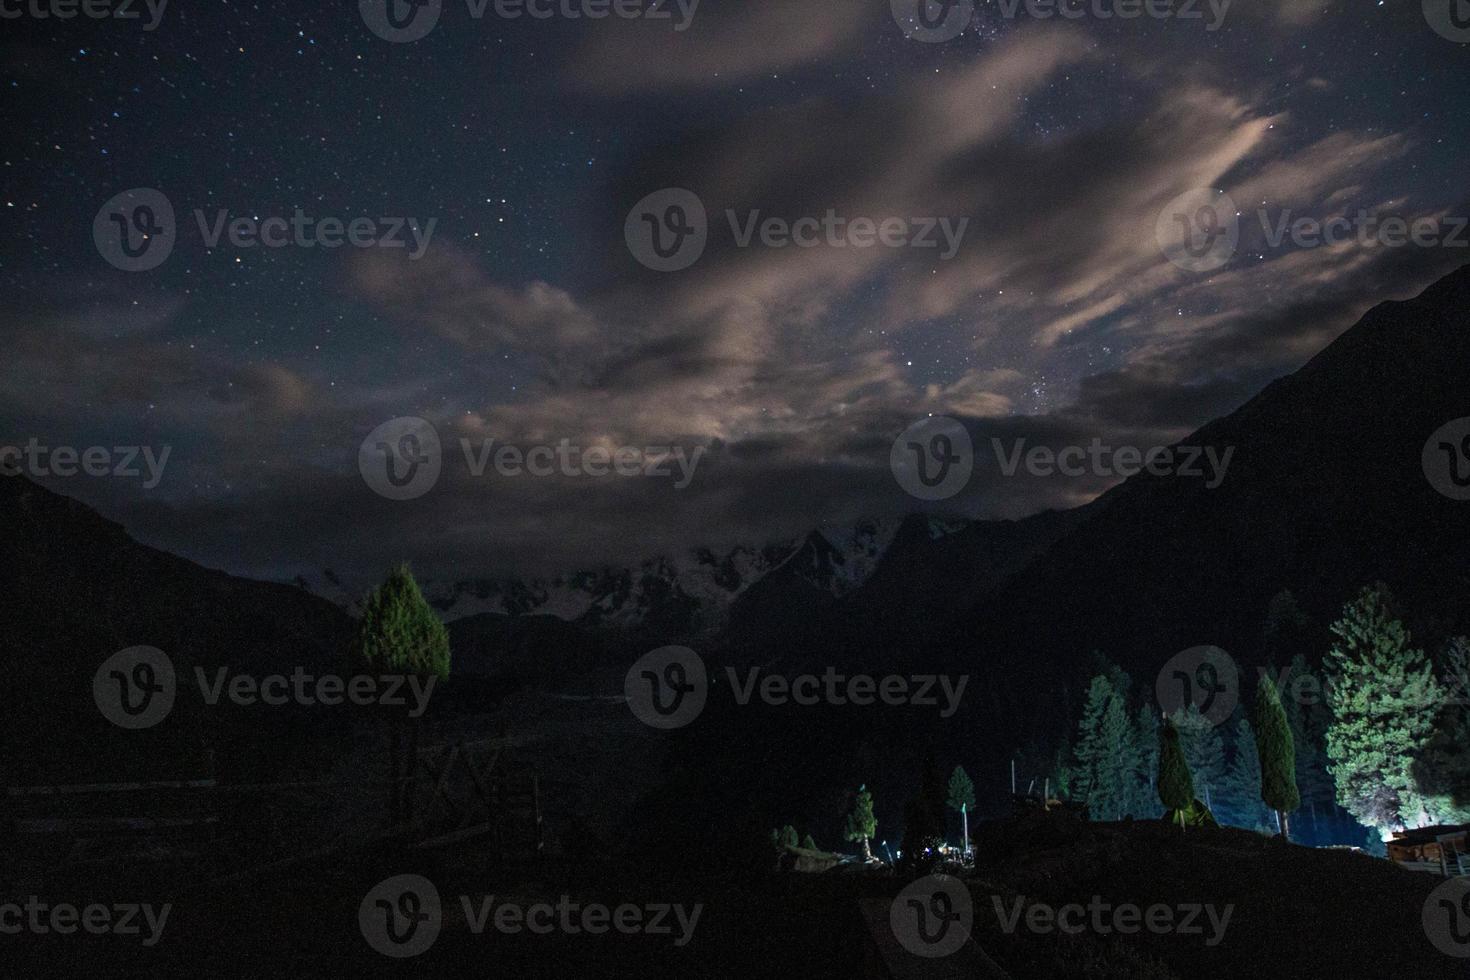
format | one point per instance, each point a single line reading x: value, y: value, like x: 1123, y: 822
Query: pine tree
x: 1239, y: 800
x: 808, y: 844
x: 1442, y: 773
x: 789, y: 837
x: 861, y: 824
x: 1306, y: 712
x: 399, y: 635
x: 1106, y: 760
x: 1277, y: 753
x: 1203, y: 749
x: 1176, y: 787
x: 1384, y: 699
x: 961, y: 797
x: 1146, y: 774
x: 1089, y: 752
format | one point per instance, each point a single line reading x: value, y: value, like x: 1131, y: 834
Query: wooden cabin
x: 1442, y: 850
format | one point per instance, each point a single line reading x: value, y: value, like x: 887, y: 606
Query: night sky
x: 528, y: 319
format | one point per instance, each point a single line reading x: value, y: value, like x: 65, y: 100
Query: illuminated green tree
x: 861, y: 824
x: 1277, y: 751
x: 1384, y: 699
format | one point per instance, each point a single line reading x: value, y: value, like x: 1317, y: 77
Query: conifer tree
x: 1384, y: 699
x: 1303, y: 698
x: 1146, y: 760
x: 961, y: 797
x: 399, y: 635
x: 1442, y: 773
x: 789, y: 837
x: 1240, y: 792
x: 1106, y: 757
x: 861, y: 825
x: 1203, y: 749
x: 1176, y: 787
x: 1277, y: 754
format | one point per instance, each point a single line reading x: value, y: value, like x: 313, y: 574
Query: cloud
x: 728, y: 41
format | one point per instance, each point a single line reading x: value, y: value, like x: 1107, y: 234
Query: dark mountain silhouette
x: 1326, y: 493
x: 79, y: 589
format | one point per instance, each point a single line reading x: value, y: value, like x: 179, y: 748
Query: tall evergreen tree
x: 1384, y: 698
x: 1204, y: 749
x: 1089, y: 750
x: 1442, y: 773
x: 1239, y: 799
x: 1176, y: 788
x: 399, y: 635
x: 1277, y: 753
x: 861, y: 825
x: 1106, y: 758
x: 961, y: 797
x: 1303, y: 698
x: 1146, y: 761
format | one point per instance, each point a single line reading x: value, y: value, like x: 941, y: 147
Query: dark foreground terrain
x: 1293, y: 912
